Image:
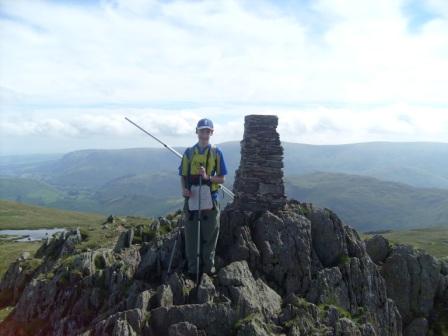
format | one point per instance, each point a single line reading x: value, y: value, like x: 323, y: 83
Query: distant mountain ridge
x: 363, y: 182
x: 371, y: 204
x: 420, y: 164
x: 366, y: 203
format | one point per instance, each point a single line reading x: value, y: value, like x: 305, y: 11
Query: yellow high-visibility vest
x: 191, y: 164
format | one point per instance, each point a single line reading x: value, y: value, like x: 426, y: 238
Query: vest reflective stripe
x: 195, y: 159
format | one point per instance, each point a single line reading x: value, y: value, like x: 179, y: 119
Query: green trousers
x: 209, y: 237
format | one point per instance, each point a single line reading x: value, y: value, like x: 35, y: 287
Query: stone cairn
x: 259, y: 181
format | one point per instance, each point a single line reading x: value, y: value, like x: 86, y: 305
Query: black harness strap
x: 206, y: 163
x: 189, y: 176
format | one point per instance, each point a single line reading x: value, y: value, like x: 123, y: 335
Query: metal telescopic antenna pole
x: 172, y: 252
x: 224, y: 188
x: 198, y: 251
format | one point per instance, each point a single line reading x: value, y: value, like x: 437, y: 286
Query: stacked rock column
x: 259, y: 181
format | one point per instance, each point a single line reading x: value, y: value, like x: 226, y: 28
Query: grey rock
x: 122, y: 328
x: 155, y: 226
x: 61, y: 244
x: 442, y: 292
x: 284, y: 242
x: 15, y: 279
x: 444, y: 266
x: 144, y: 299
x: 330, y: 287
x: 110, y: 219
x: 367, y: 330
x: 156, y: 255
x: 418, y: 327
x: 354, y: 282
x: 164, y: 296
x: 412, y: 279
x: 378, y: 248
x: 253, y: 327
x: 206, y: 290
x: 24, y: 255
x: 304, y: 318
x: 217, y: 319
x: 346, y: 327
x: 247, y: 294
x: 235, y: 274
x: 130, y: 322
x: 181, y: 288
x: 328, y: 238
x: 183, y: 329
x: 325, y: 260
x: 236, y: 242
x: 124, y: 240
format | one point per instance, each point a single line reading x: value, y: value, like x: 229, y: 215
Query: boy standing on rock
x: 206, y: 161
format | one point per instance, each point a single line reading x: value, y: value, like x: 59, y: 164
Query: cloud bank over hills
x: 334, y: 73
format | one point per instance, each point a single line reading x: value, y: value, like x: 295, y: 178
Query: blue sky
x: 333, y: 71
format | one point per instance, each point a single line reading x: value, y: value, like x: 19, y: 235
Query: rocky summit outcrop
x: 418, y: 284
x: 289, y: 269
x: 279, y: 273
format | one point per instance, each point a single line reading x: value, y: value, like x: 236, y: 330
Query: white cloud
x: 359, y: 75
x: 309, y: 124
x: 221, y: 50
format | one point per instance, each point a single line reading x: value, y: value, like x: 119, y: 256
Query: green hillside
x: 159, y: 185
x: 365, y: 203
x: 144, y: 181
x: 93, y: 168
x: 147, y: 194
x: 144, y: 195
x: 420, y: 164
x: 14, y: 215
x: 25, y: 165
x: 28, y: 190
x: 370, y: 204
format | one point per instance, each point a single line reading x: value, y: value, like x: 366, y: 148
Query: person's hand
x: 203, y: 173
x: 186, y: 192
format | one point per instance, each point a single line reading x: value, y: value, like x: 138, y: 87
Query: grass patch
x: 440, y: 327
x: 343, y: 259
x: 100, y: 262
x: 34, y: 325
x: 9, y: 251
x: 15, y: 215
x: 69, y: 261
x: 432, y: 240
x: 31, y: 263
x: 300, y: 302
x: 5, y: 312
x: 255, y: 317
x: 342, y: 312
x: 304, y: 317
